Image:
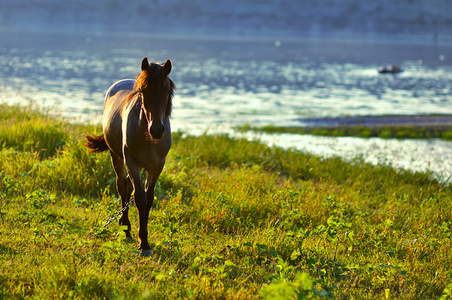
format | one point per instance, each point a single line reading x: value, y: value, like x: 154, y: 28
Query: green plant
x: 231, y: 219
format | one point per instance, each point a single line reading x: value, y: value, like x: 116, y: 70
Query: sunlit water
x: 226, y: 82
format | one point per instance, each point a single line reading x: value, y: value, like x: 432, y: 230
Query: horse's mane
x: 154, y: 78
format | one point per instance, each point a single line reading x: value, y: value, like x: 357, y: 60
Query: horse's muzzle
x: 156, y: 130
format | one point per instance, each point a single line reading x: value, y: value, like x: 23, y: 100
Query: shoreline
x: 423, y: 127
x: 426, y: 121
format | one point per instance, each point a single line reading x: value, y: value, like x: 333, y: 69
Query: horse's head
x: 157, y: 91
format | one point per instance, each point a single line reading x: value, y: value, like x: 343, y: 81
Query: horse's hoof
x: 147, y: 252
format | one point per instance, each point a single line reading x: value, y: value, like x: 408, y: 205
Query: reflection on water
x: 229, y: 82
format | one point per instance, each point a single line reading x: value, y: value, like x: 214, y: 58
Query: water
x: 223, y: 82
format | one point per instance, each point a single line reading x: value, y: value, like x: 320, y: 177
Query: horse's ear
x: 167, y: 66
x: 144, y: 64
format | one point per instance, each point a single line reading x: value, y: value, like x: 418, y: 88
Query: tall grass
x: 234, y: 219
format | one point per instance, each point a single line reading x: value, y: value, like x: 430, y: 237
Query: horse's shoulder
x: 125, y: 84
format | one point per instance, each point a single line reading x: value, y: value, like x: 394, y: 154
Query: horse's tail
x: 97, y: 143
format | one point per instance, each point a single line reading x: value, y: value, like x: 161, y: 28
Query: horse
x: 136, y: 131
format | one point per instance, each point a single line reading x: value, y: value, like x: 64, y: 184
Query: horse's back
x: 121, y: 85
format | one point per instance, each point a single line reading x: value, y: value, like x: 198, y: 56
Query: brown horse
x: 136, y: 130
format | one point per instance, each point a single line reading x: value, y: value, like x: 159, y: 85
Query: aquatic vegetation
x: 383, y: 131
x: 233, y: 219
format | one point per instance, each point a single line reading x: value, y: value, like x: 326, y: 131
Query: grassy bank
x: 234, y: 219
x: 383, y: 131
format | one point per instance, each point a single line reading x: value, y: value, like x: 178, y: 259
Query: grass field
x: 233, y: 220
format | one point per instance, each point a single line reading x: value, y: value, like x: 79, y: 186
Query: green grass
x: 384, y: 131
x: 234, y: 219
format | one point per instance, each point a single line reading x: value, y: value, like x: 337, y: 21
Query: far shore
x: 216, y: 34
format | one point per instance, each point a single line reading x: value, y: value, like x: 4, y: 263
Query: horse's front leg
x: 124, y: 188
x: 151, y: 180
x: 140, y: 201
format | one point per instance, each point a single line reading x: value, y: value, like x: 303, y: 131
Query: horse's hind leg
x: 124, y: 187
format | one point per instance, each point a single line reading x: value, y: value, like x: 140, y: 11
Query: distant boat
x: 392, y: 69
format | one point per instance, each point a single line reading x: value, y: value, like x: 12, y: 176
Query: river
x: 227, y: 81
